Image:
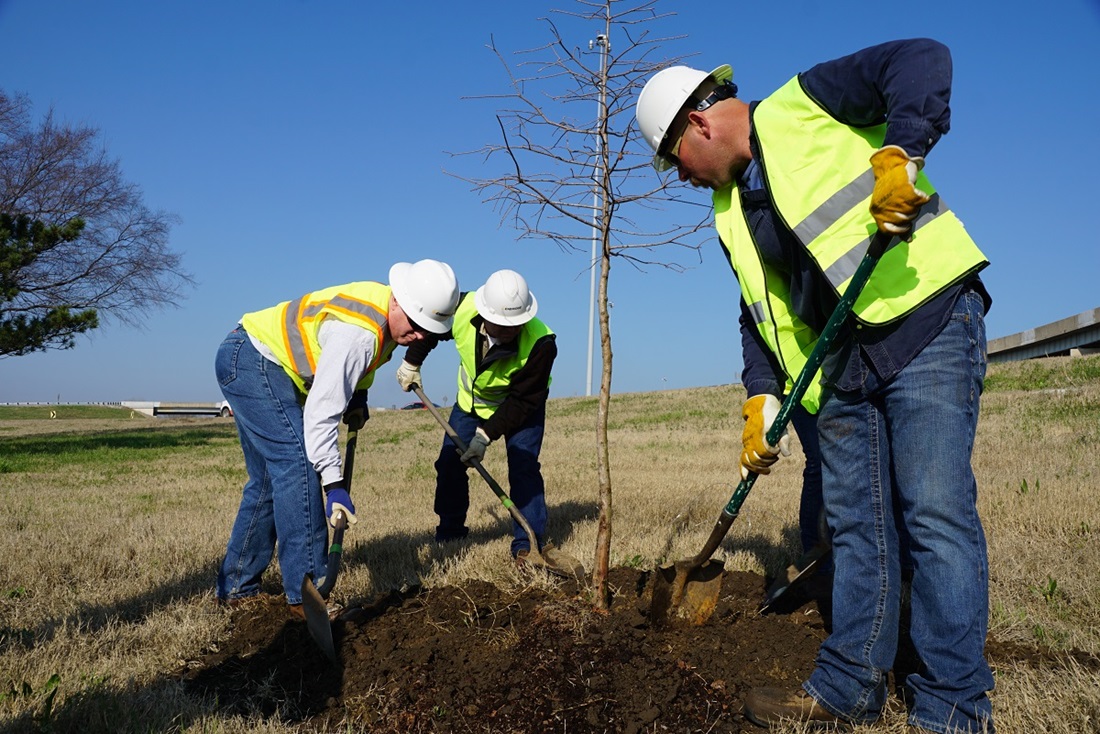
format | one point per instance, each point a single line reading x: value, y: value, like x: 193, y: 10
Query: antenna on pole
x: 605, y: 46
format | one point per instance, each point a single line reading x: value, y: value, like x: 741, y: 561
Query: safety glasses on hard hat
x: 725, y: 90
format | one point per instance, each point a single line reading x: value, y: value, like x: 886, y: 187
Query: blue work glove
x: 356, y: 414
x: 337, y: 500
x: 476, y: 449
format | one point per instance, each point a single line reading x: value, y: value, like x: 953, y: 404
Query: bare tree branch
x: 566, y: 177
x: 120, y: 265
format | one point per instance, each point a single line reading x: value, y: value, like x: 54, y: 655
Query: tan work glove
x: 895, y: 201
x: 408, y: 375
x: 757, y: 456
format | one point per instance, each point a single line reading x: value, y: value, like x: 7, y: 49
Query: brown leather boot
x: 768, y: 706
x: 298, y: 612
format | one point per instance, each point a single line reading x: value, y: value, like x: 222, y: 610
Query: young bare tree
x: 575, y: 179
x: 117, y: 265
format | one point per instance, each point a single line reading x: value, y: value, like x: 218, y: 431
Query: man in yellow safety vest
x: 802, y: 180
x: 505, y: 357
x: 291, y: 372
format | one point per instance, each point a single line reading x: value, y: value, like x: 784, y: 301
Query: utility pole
x: 601, y: 113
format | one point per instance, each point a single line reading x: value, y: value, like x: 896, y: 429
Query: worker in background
x: 292, y: 372
x: 505, y: 357
x: 802, y: 180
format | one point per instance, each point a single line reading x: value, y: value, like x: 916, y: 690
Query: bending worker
x: 291, y: 372
x: 505, y: 357
x: 801, y: 182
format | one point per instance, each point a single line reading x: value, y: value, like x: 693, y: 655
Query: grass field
x: 114, y: 526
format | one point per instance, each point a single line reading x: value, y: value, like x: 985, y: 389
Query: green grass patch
x: 106, y: 450
x: 673, y: 419
x: 1042, y: 374
x: 64, y: 412
x: 573, y: 407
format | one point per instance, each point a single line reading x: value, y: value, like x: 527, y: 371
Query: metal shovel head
x: 317, y: 621
x: 561, y: 564
x: 685, y: 592
x: 802, y: 569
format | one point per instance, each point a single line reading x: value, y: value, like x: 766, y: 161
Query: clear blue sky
x: 304, y: 144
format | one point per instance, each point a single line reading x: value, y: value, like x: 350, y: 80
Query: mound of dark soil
x: 478, y: 658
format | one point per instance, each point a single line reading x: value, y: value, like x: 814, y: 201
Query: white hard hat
x: 663, y: 97
x: 505, y: 299
x: 427, y: 291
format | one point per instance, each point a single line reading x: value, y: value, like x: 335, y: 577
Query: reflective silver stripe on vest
x: 836, y: 206
x: 298, y: 351
x: 759, y: 316
x: 358, y: 307
x: 848, y: 198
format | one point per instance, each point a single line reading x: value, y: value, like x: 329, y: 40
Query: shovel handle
x: 824, y: 343
x: 461, y: 449
x: 336, y: 548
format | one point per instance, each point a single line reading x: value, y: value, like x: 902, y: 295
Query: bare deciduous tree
x: 119, y: 266
x: 572, y: 179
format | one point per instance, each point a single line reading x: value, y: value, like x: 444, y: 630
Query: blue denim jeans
x: 810, y: 507
x: 526, y: 487
x: 898, y: 486
x: 281, y: 506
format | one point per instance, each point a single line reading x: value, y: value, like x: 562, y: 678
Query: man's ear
x: 699, y: 120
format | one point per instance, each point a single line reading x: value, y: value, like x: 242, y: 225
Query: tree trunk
x: 603, y: 461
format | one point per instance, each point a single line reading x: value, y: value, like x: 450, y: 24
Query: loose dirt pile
x: 478, y: 658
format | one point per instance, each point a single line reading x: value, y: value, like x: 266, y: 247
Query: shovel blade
x: 317, y: 621
x: 685, y: 592
x: 562, y: 564
x: 802, y: 569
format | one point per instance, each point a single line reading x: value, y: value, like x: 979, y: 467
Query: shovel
x: 688, y: 590
x: 801, y: 569
x: 314, y: 597
x: 550, y: 558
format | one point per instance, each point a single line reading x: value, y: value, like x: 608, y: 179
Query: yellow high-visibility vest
x: 482, y: 393
x: 818, y: 177
x: 290, y: 328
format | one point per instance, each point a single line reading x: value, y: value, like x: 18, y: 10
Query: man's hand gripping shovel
x: 550, y: 558
x: 688, y: 590
x: 314, y: 598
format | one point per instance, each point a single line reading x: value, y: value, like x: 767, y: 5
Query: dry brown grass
x: 113, y: 530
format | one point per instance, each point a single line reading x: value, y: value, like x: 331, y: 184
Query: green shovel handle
x: 824, y: 343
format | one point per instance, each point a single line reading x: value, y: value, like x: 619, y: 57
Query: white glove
x: 409, y: 375
x: 476, y: 449
x: 757, y: 455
